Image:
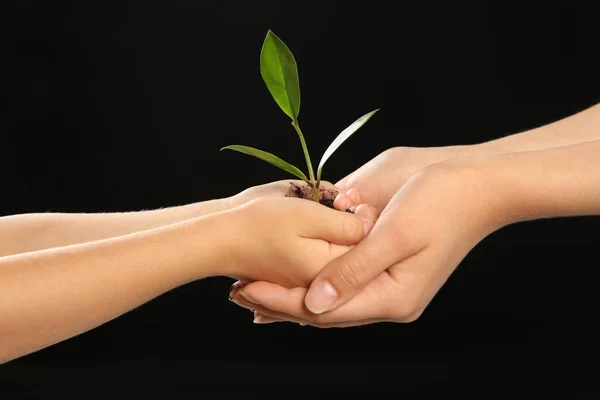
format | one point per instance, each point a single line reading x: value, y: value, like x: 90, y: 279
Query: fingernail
x: 352, y: 209
x: 248, y: 298
x: 237, y: 303
x: 321, y: 297
x: 368, y: 225
x: 231, y: 291
x: 260, y: 319
x: 234, y: 288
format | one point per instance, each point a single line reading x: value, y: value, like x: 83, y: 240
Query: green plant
x: 280, y: 73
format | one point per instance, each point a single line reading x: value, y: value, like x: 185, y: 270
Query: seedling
x: 280, y: 73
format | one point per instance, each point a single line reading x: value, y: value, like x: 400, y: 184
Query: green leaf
x: 280, y: 73
x: 341, y: 138
x: 270, y: 158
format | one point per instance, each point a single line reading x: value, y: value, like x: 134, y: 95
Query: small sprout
x: 279, y: 71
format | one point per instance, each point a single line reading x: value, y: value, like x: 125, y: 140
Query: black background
x: 116, y: 106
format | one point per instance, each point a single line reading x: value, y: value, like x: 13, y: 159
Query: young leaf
x: 345, y: 134
x: 270, y: 158
x: 280, y: 73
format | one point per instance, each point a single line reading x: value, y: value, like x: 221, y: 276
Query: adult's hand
x: 379, y: 179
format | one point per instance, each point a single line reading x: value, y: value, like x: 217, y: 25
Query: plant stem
x: 311, y: 173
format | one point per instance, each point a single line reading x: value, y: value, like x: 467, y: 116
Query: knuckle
x: 258, y: 204
x: 353, y: 181
x: 351, y: 273
x: 351, y: 227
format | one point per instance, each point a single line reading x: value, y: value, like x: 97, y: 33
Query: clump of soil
x: 304, y: 191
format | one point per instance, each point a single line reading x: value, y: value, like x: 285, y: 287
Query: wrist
x: 509, y: 185
x: 213, y: 243
x: 490, y: 204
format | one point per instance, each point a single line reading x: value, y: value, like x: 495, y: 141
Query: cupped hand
x: 280, y: 189
x: 288, y: 240
x: 422, y: 235
x: 379, y: 179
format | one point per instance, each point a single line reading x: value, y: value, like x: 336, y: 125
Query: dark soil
x: 304, y: 191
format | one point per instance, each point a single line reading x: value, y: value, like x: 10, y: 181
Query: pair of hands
x: 431, y: 212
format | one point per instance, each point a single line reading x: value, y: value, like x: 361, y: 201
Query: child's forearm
x: 578, y: 128
x: 50, y: 295
x: 32, y: 232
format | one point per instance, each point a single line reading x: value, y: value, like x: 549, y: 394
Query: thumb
x: 343, y: 278
x: 338, y: 227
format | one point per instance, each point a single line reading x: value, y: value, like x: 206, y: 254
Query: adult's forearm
x: 578, y: 128
x: 558, y: 182
x: 50, y: 295
x: 38, y: 231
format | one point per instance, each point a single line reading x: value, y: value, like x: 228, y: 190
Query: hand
x: 428, y: 227
x: 289, y: 240
x: 379, y: 179
x: 278, y: 189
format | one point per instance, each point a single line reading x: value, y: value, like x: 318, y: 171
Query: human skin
x: 538, y: 164
x: 37, y: 231
x: 379, y: 179
x: 53, y: 293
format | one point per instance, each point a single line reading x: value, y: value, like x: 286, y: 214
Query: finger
x: 350, y: 324
x: 280, y: 317
x: 366, y: 211
x: 355, y: 196
x: 275, y: 316
x: 244, y: 301
x: 265, y: 296
x: 269, y: 317
x: 264, y: 319
x: 236, y: 288
x: 334, y: 226
x: 372, y: 304
x: 342, y: 202
x: 344, y: 277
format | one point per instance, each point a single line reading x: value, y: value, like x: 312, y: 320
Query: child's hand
x: 288, y: 241
x: 280, y: 189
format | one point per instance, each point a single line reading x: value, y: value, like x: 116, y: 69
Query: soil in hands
x: 304, y: 191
